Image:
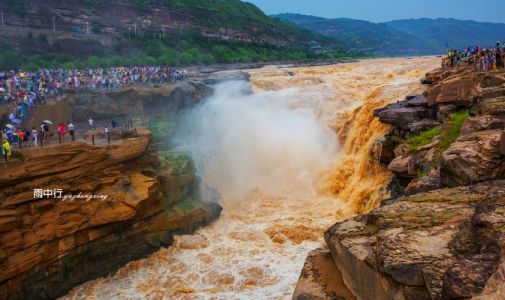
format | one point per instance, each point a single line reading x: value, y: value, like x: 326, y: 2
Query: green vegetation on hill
x: 423, y: 138
x: 446, y: 134
x: 378, y: 39
x: 452, y: 130
x: 156, y: 52
x: 240, y: 32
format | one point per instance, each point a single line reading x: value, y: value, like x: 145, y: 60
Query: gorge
x: 257, y: 247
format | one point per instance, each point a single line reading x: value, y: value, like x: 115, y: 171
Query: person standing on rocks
x: 497, y: 58
x: 3, y: 135
x: 6, y: 150
x: 46, y: 131
x: 91, y: 124
x: 61, y: 131
x: 35, y: 135
x: 71, y: 131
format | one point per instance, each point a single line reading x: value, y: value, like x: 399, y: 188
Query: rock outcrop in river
x: 49, y: 245
x: 445, y: 238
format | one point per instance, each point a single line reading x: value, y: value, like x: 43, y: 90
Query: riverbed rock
x: 493, y: 92
x: 473, y: 158
x: 426, y: 183
x: 320, y: 279
x: 445, y: 110
x: 436, y: 245
x: 482, y: 122
x: 437, y: 75
x: 411, y: 115
x: 461, y: 91
x: 401, y: 150
x: 403, y: 166
x: 492, y: 106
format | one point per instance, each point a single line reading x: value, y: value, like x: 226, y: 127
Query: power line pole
x: 3, y: 24
x: 54, y: 25
x: 135, y: 29
x: 180, y: 35
x: 87, y: 28
x: 163, y: 32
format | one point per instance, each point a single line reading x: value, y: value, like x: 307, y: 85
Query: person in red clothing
x: 61, y: 131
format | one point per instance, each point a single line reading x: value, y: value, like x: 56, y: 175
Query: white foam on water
x: 265, y: 152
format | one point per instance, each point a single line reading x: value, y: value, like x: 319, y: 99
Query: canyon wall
x: 50, y: 244
x: 443, y: 238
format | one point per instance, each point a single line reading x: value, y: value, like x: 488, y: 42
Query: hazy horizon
x: 375, y: 11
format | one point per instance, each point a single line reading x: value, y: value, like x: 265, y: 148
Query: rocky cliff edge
x: 49, y: 245
x: 444, y: 238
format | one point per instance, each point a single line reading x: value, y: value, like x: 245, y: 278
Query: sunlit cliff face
x: 290, y: 159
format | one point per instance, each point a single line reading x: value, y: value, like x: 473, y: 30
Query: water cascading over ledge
x: 257, y: 247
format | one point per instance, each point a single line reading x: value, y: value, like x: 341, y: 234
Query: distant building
x: 316, y: 48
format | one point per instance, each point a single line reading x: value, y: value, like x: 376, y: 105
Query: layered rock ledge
x: 443, y: 244
x: 444, y: 238
x: 49, y: 245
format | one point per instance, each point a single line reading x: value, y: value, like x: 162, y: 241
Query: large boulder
x: 320, y: 279
x: 437, y: 75
x: 461, y: 91
x: 411, y: 115
x: 403, y: 166
x: 473, y: 158
x: 482, y: 122
x: 424, y: 184
x: 493, y: 92
x: 492, y: 106
x: 441, y: 244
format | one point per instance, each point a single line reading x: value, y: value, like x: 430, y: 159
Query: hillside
x: 379, y: 39
x: 99, y: 32
x: 454, y: 33
x: 402, y: 37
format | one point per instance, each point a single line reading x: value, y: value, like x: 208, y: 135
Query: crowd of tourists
x: 22, y: 137
x: 482, y: 59
x: 52, y: 81
x: 22, y: 90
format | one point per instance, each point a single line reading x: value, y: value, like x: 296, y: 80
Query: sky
x: 387, y: 10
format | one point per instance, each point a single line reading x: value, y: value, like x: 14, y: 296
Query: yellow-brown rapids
x: 257, y: 247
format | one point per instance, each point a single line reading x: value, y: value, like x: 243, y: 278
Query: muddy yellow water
x: 305, y: 164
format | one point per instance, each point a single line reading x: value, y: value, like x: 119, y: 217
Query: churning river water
x: 289, y: 152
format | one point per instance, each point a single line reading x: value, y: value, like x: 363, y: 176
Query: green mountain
x: 74, y: 33
x: 402, y: 37
x: 454, y: 33
x: 379, y: 39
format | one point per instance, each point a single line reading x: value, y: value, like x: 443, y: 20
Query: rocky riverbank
x: 444, y: 237
x: 49, y: 245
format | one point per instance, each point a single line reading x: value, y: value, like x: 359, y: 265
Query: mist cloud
x: 242, y: 141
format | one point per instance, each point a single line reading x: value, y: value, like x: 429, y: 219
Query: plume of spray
x: 243, y: 141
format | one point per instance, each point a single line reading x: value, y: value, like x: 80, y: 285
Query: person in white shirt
x: 91, y: 123
x: 35, y: 135
x: 70, y: 127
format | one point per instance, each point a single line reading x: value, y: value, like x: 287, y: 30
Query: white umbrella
x: 2, y: 89
x: 10, y: 126
x: 48, y: 122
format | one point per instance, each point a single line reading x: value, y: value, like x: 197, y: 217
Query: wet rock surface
x: 435, y: 245
x: 135, y: 102
x: 444, y: 237
x: 409, y: 116
x: 472, y: 158
x: 320, y: 279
